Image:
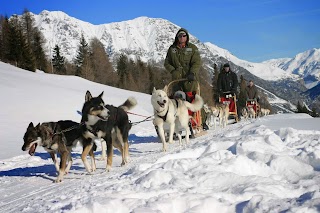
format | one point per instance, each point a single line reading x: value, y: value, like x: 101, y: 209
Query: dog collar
x: 164, y: 118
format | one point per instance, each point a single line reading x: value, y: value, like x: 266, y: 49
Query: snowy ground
x: 270, y: 164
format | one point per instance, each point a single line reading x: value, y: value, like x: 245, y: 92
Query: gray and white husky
x: 173, y: 112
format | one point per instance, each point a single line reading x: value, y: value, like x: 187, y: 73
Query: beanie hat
x: 182, y: 33
x: 226, y: 65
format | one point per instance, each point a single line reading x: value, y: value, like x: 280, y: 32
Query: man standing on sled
x: 183, y: 62
x: 227, y: 83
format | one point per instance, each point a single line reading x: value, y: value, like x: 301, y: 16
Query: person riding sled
x: 227, y: 84
x: 183, y: 62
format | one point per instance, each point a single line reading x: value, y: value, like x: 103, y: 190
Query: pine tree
x: 299, y: 107
x: 132, y: 68
x: 314, y: 112
x: 82, y: 58
x: 4, y: 38
x: 214, y: 83
x: 58, y: 61
x: 101, y: 65
x: 205, y: 86
x: 27, y: 23
x: 122, y: 70
x: 26, y: 58
x: 14, y: 43
x: 38, y: 51
x: 35, y: 40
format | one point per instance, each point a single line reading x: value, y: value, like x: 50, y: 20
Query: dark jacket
x: 227, y: 82
x: 180, y: 62
x: 252, y: 92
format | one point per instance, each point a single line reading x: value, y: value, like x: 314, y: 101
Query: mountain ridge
x: 148, y: 39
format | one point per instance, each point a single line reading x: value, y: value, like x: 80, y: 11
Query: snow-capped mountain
x: 264, y: 71
x: 149, y: 38
x: 306, y: 65
x: 143, y: 37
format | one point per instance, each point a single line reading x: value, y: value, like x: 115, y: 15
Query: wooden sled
x: 231, y: 100
x: 252, y: 103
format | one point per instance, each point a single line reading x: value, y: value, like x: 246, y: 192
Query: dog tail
x: 129, y: 104
x: 196, y: 105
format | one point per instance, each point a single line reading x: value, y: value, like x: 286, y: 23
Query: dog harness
x: 164, y: 118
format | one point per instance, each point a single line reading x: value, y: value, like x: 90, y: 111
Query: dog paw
x: 123, y: 163
x: 108, y: 169
x: 58, y: 180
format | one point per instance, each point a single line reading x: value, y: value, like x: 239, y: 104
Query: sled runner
x: 231, y: 100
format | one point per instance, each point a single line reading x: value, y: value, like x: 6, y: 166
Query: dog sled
x: 195, y: 122
x: 252, y: 103
x: 231, y: 101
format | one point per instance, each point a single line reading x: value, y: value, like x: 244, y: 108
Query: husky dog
x: 223, y: 114
x: 207, y: 109
x: 265, y: 112
x: 244, y: 113
x: 172, y: 112
x: 251, y: 113
x: 107, y: 122
x: 54, y: 137
x: 214, y: 113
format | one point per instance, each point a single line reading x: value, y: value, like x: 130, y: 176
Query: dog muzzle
x: 162, y: 104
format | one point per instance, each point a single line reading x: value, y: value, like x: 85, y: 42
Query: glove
x: 190, y: 77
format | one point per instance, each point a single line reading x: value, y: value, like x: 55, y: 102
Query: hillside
x: 270, y: 164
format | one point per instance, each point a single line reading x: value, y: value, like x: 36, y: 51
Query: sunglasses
x: 180, y: 36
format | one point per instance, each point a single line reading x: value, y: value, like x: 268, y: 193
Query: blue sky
x: 253, y: 30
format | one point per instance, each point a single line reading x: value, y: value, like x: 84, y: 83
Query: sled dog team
x: 108, y: 123
x: 249, y: 113
x: 220, y: 112
x: 98, y: 120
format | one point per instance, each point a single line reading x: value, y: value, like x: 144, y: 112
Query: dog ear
x: 165, y: 89
x: 154, y: 90
x: 88, y: 96
x: 30, y: 125
x: 101, y: 95
x: 38, y: 126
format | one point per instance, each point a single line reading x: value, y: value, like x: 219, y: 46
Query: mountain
x: 306, y: 65
x: 149, y: 38
x: 143, y: 37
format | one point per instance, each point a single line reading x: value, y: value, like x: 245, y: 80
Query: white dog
x: 223, y: 114
x: 251, y: 112
x: 265, y: 112
x: 172, y: 112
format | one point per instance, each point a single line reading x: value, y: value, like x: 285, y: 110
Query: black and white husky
x: 107, y: 122
x: 173, y: 112
x: 55, y: 137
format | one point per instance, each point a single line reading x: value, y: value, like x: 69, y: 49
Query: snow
x: 263, y: 70
x: 270, y: 164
